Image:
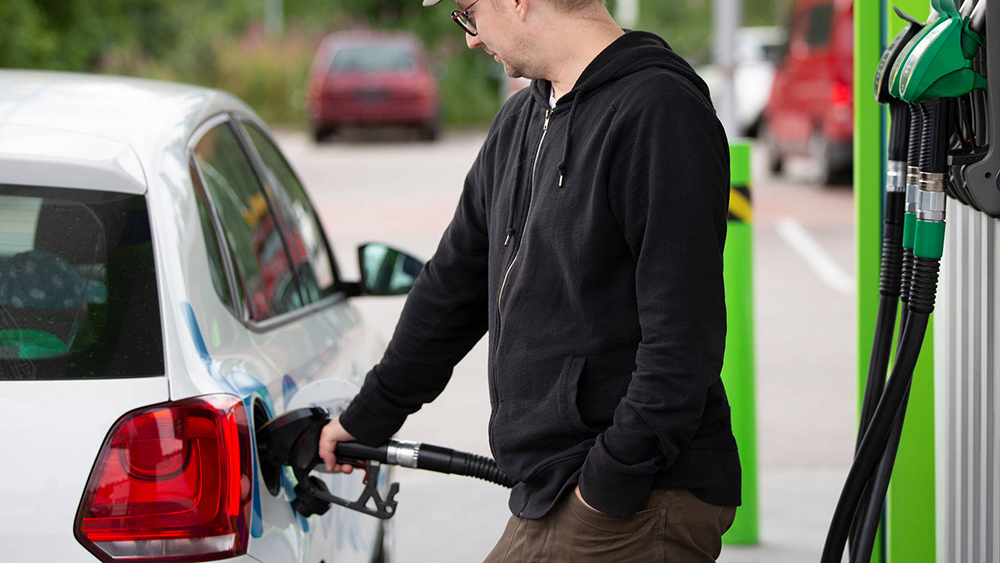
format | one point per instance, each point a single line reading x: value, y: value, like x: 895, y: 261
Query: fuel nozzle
x: 293, y: 439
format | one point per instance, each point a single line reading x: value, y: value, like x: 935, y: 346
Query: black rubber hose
x: 876, y: 437
x: 881, y: 348
x: 923, y: 285
x: 922, y: 293
x: 434, y: 458
x: 890, y: 273
x: 899, y: 132
x: 904, y: 290
x: 445, y: 460
x: 936, y: 136
x: 916, y: 130
x: 890, y: 276
x: 889, y: 288
x: 869, y: 517
x: 884, y: 326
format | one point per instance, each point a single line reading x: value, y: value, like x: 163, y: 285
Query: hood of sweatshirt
x: 632, y: 52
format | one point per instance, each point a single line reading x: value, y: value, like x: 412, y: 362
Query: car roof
x: 371, y: 36
x: 356, y: 38
x: 95, y: 131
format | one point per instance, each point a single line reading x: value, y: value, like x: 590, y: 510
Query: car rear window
x: 78, y: 295
x: 818, y: 34
x: 372, y: 58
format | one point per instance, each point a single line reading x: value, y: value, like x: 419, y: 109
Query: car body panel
x: 55, y: 431
x: 351, y: 98
x: 136, y: 136
x: 41, y: 156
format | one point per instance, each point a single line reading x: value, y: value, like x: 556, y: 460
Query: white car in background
x: 166, y: 287
x: 757, y: 53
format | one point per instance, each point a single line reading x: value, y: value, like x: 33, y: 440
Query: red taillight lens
x: 172, y: 483
x: 841, y: 94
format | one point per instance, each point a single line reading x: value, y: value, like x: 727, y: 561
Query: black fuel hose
x: 874, y: 442
x: 889, y: 289
x: 868, y: 518
x: 923, y: 289
x: 913, y: 178
x: 428, y: 457
x: 934, y: 126
x: 936, y: 136
x: 890, y: 279
x: 899, y: 131
x: 877, y: 366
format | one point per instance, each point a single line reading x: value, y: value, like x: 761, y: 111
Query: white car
x: 166, y: 287
x: 758, y: 51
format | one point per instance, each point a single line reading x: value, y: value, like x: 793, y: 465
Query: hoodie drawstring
x: 569, y: 138
x: 520, y: 164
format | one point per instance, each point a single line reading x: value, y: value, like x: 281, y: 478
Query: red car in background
x: 811, y: 108
x: 362, y: 79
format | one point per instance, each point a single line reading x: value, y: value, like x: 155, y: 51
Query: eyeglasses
x: 461, y: 17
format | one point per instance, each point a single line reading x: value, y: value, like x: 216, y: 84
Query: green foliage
x: 25, y: 41
x: 470, y: 89
x: 220, y: 43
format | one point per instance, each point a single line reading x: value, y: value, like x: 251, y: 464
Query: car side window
x: 306, y: 240
x: 256, y: 245
x: 818, y: 35
x: 216, y: 266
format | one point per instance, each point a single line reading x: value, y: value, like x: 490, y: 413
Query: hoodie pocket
x: 569, y: 386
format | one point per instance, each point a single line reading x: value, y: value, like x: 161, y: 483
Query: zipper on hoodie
x: 531, y: 195
x: 527, y: 215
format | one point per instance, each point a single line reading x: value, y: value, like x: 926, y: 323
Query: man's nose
x: 473, y: 41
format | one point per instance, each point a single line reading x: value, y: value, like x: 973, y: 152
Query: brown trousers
x: 673, y: 526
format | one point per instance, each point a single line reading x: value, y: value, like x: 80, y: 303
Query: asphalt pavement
x: 389, y: 187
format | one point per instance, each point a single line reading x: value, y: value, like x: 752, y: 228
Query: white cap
x: 430, y: 2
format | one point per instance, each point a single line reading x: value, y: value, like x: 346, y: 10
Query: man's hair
x: 576, y: 5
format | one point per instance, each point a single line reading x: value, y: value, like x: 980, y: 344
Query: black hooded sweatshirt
x: 588, y: 242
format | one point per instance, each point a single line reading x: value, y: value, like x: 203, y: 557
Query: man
x: 588, y: 242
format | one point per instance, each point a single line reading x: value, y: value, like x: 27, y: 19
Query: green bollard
x: 738, y: 367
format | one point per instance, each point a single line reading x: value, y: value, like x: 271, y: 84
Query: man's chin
x: 511, y: 71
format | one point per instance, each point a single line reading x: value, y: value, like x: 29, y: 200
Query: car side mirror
x: 385, y: 270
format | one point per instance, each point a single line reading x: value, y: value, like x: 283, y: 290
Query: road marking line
x: 797, y: 237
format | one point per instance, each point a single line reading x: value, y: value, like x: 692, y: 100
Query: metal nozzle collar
x: 932, y: 181
x: 913, y: 175
x: 931, y: 206
x: 403, y: 453
x: 895, y: 179
x: 912, y: 191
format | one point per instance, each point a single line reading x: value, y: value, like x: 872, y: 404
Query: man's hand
x: 332, y: 433
x: 579, y: 496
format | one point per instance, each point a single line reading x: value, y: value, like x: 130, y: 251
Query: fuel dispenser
x: 933, y: 78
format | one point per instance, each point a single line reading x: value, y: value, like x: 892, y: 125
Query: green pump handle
x: 940, y: 63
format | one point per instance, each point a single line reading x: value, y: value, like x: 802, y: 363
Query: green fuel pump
x: 932, y: 70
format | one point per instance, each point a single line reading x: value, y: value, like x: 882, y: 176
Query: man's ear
x: 522, y: 7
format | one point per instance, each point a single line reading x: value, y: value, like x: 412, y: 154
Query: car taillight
x: 171, y: 483
x: 841, y: 94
